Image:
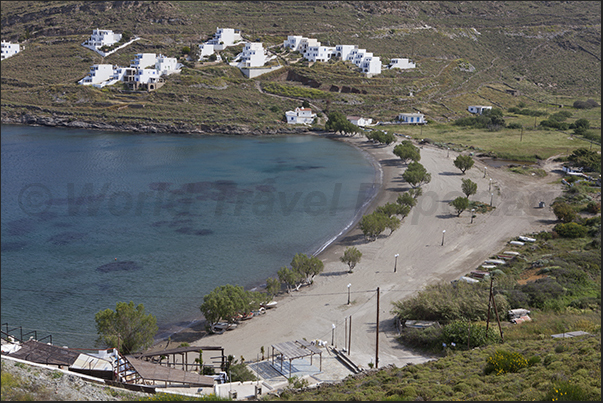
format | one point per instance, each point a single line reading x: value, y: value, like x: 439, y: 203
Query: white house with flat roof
x: 225, y: 37
x: 253, y: 55
x: 9, y: 49
x: 98, y: 74
x: 401, y: 63
x: 319, y: 53
x: 293, y: 42
x: 478, y: 109
x: 343, y: 51
x: 359, y: 121
x: 371, y: 65
x: 100, y: 38
x: 167, y: 65
x: 206, y: 49
x: 144, y: 60
x: 300, y: 116
x: 412, y: 118
x: 305, y: 43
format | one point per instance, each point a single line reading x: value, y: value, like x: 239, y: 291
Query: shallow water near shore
x: 90, y: 218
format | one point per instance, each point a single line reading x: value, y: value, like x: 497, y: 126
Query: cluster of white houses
x: 9, y: 49
x: 313, y: 51
x: 102, y: 38
x: 145, y: 71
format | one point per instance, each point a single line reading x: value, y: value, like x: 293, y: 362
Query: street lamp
x: 491, y: 198
x: 443, y: 233
x: 485, y: 171
x: 333, y: 335
x: 448, y: 155
x: 490, y: 186
x: 349, y: 285
x: 472, y: 214
x: 396, y: 262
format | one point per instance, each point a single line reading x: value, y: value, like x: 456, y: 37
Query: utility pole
x: 350, y: 337
x: 377, y: 333
x: 491, y: 302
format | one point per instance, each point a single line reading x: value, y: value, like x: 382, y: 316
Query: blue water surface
x: 91, y: 218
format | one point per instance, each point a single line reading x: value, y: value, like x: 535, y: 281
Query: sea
x: 92, y: 218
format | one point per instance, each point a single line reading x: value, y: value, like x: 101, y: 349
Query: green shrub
x: 534, y: 360
x: 459, y: 331
x: 567, y: 391
x: 503, y: 362
x: 571, y: 230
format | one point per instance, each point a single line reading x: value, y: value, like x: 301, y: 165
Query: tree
x: 406, y: 199
x: 372, y: 225
x: 564, y: 212
x: 351, y: 257
x: 307, y: 267
x: 460, y: 204
x: 381, y: 137
x: 337, y: 122
x: 289, y: 277
x: 273, y: 286
x: 305, y: 104
x: 128, y: 328
x: 464, y: 163
x: 391, y: 209
x: 407, y: 151
x: 416, y: 174
x: 225, y: 302
x: 393, y: 223
x: 469, y: 187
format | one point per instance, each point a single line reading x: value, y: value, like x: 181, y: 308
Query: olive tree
x: 463, y: 162
x: 351, y: 257
x: 225, y: 302
x: 460, y: 204
x: 416, y: 174
x: 407, y: 151
x: 128, y: 329
x: 469, y: 187
x: 307, y: 267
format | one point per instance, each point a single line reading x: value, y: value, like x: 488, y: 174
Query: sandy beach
x: 311, y: 312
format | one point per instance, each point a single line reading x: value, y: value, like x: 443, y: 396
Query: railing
x: 7, y: 334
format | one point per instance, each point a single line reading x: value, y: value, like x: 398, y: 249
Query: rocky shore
x: 51, y: 119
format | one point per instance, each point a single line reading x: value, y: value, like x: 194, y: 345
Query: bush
x: 503, y: 362
x: 514, y: 126
x: 459, y: 332
x: 571, y: 230
x: 567, y: 391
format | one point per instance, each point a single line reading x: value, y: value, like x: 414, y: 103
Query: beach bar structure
x: 291, y: 350
x: 170, y: 356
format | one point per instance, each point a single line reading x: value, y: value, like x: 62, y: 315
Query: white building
x: 225, y: 37
x: 343, y: 51
x: 293, y: 42
x: 144, y: 60
x: 98, y: 74
x: 319, y: 53
x: 206, y: 49
x: 414, y: 118
x: 100, y: 38
x: 371, y: 65
x: 479, y: 109
x: 167, y: 65
x: 401, y: 64
x: 359, y: 121
x: 253, y: 55
x: 9, y: 49
x: 305, y: 43
x: 300, y: 116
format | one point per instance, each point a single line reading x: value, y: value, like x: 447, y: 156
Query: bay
x: 90, y: 218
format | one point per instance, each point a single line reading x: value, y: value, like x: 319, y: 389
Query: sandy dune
x: 311, y: 312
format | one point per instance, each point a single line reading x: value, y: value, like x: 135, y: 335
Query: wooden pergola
x: 291, y: 350
x: 183, y: 352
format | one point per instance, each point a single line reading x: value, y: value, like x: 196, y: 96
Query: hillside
x: 466, y: 53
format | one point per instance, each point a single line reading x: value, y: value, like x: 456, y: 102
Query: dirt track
x: 310, y: 313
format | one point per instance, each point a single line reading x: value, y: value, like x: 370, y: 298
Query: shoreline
x: 424, y: 259
x: 198, y: 324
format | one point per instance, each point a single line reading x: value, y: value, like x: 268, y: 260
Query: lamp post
x: 491, y: 198
x: 485, y: 171
x: 472, y: 214
x: 490, y: 185
x: 349, y: 285
x: 448, y: 155
x: 333, y: 335
x: 396, y: 262
x: 443, y: 233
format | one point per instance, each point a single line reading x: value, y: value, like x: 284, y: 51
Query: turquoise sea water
x: 92, y: 218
